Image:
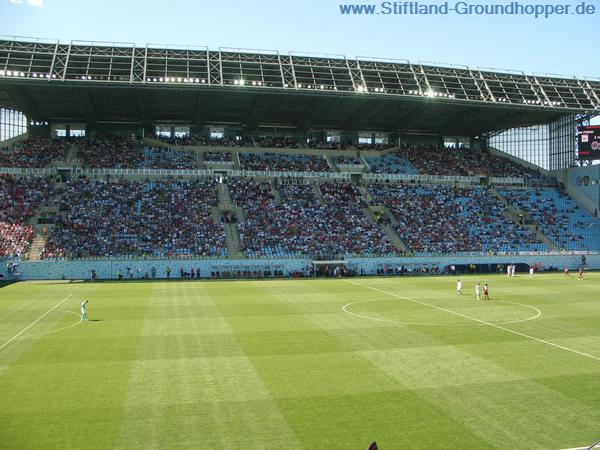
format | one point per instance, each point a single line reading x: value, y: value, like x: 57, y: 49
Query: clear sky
x: 561, y: 44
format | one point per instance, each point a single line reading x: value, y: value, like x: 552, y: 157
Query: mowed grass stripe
x: 73, y: 405
x: 308, y: 387
x: 526, y: 361
x: 431, y: 367
x: 278, y: 364
x: 195, y: 400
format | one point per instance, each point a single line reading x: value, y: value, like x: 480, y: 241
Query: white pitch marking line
x: 478, y: 320
x: 57, y: 329
x: 508, y: 322
x: 35, y: 321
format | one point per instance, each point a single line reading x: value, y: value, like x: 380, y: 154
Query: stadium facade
x: 354, y: 115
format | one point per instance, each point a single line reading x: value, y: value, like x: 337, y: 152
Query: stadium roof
x: 95, y: 82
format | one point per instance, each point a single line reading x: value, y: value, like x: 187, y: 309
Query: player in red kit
x: 486, y: 292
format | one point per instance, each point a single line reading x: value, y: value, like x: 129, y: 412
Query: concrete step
x: 232, y: 236
x: 37, y: 246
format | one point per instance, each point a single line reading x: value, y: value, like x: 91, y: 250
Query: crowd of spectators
x: 36, y: 152
x: 373, y: 147
x: 218, y: 157
x: 346, y: 160
x: 566, y: 224
x: 390, y: 163
x: 110, y: 152
x: 283, y: 162
x: 19, y: 199
x: 441, y: 219
x: 300, y: 226
x: 204, y: 141
x: 135, y: 218
x: 163, y: 158
x: 276, y: 142
x: 333, y: 145
x: 433, y: 160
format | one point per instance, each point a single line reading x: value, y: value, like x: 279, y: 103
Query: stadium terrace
x: 287, y: 165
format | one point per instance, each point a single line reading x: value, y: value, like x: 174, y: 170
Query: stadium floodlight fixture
x: 160, y: 79
x: 235, y: 82
x: 179, y: 80
x: 203, y: 80
x: 89, y: 77
x: 2, y: 73
x: 53, y: 76
x: 300, y: 85
x: 322, y: 87
x: 253, y: 83
x: 8, y: 73
x: 260, y: 83
x: 242, y: 82
x: 21, y: 74
x: 430, y: 93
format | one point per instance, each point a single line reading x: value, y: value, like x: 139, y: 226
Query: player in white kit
x: 477, y: 291
x: 459, y: 287
x: 84, y: 310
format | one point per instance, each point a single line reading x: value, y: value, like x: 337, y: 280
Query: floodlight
x: 53, y: 76
x: 260, y: 83
x: 235, y: 82
x: 160, y: 79
x: 179, y: 80
x: 322, y: 87
x: 21, y: 74
x: 300, y: 85
x: 203, y: 80
x: 9, y: 73
x: 254, y: 83
x: 1, y: 73
x: 242, y: 82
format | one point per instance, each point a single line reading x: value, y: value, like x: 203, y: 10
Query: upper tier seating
x: 283, y: 162
x: 36, y: 152
x: 391, y: 163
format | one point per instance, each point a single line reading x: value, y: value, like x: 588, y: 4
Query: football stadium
x: 248, y: 249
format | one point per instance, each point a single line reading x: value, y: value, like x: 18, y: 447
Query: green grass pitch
x: 316, y: 364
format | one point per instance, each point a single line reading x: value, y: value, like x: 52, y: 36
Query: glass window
x: 12, y: 124
x: 78, y: 133
x: 334, y: 136
x: 217, y: 133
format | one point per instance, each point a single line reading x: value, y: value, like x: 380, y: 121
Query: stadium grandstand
x: 243, y: 163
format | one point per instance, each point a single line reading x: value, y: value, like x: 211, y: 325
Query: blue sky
x: 556, y: 45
